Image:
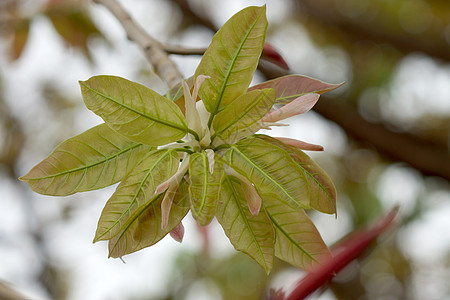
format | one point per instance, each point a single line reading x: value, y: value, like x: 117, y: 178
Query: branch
x: 180, y: 50
x: 431, y: 42
x: 152, y: 48
x: 8, y: 293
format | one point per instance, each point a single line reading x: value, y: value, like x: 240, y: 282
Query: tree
x: 364, y: 130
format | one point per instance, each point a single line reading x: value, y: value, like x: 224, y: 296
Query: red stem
x: 344, y: 252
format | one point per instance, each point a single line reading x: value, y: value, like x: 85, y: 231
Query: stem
x: 195, y: 134
x: 210, y: 120
x: 184, y: 150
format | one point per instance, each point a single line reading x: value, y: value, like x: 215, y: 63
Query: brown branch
x: 193, y: 16
x: 180, y: 50
x: 152, y: 48
x: 432, y: 42
x: 9, y: 293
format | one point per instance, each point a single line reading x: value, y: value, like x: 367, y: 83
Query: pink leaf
x: 270, y: 54
x: 198, y: 82
x: 291, y: 87
x: 178, y: 233
x: 175, y: 178
x: 253, y: 198
x: 296, y: 107
x: 251, y: 195
x: 300, y: 144
x: 166, y: 204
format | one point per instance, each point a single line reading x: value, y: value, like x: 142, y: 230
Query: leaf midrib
x: 170, y: 124
x: 242, y: 115
x: 205, y: 182
x: 89, y: 165
x: 228, y: 71
x: 246, y: 221
x: 139, y: 189
x: 265, y: 174
x: 286, y: 234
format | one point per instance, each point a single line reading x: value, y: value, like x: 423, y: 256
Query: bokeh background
x: 385, y: 132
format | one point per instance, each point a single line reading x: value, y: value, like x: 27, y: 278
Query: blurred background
x: 385, y: 132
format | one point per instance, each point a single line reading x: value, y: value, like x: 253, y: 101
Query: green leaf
x: 273, y: 172
x: 135, y: 192
x: 297, y: 240
x: 322, y: 193
x: 91, y: 160
x: 133, y: 110
x: 253, y: 235
x: 232, y: 58
x: 243, y: 112
x: 144, y: 227
x: 204, y: 188
x: 291, y: 87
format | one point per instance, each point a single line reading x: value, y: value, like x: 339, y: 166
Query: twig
x: 9, y: 293
x: 180, y: 50
x: 152, y: 48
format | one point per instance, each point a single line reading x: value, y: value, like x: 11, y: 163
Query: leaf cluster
x: 196, y: 149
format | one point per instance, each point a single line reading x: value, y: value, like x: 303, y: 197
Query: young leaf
x: 135, y: 191
x: 291, y: 87
x: 296, y: 107
x: 232, y: 58
x: 243, y: 112
x: 204, y: 188
x: 270, y: 169
x: 133, y: 110
x: 297, y: 240
x: 322, y: 193
x: 91, y: 160
x: 253, y: 235
x: 144, y: 228
x: 272, y: 55
x: 300, y: 144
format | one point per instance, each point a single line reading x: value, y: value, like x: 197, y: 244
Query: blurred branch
x: 422, y: 154
x: 8, y: 293
x: 364, y: 28
x: 425, y: 156
x: 180, y: 50
x: 152, y: 48
x: 345, y: 251
x: 193, y: 16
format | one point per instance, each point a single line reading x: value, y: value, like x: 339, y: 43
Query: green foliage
x: 202, y: 155
x: 232, y: 58
x: 92, y: 160
x: 133, y: 110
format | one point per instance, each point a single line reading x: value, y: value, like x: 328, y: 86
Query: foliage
x: 205, y: 158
